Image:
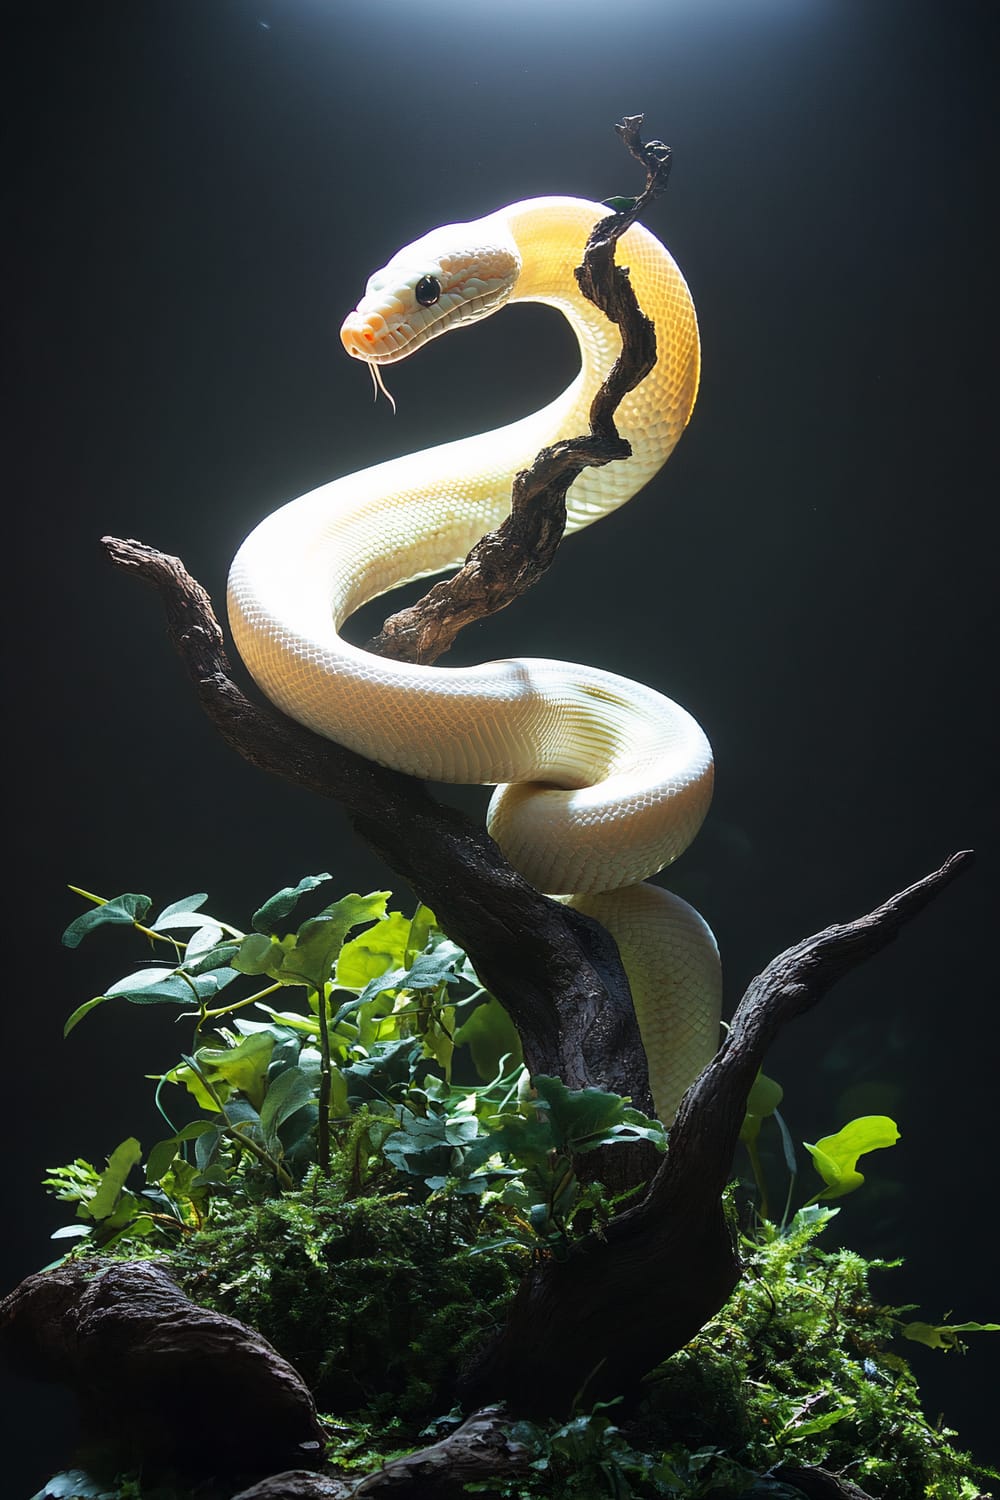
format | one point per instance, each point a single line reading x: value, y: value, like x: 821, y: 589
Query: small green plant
x: 397, y: 1072
x: 367, y: 1172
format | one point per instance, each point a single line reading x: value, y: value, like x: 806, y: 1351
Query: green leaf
x: 211, y: 960
x: 787, y: 1144
x: 428, y: 971
x: 282, y: 902
x: 258, y: 953
x: 584, y: 1119
x: 162, y: 1156
x: 619, y: 205
x: 159, y: 986
x: 183, y: 913
x: 765, y: 1096
x: 491, y: 1038
x: 120, y: 1163
x: 423, y: 1146
x: 835, y: 1156
x: 528, y: 1141
x: 242, y: 1066
x: 185, y: 1075
x: 160, y: 1159
x: 423, y: 928
x: 438, y: 1037
x: 81, y: 1011
x: 75, y: 1484
x: 385, y: 1073
x: 205, y: 936
x: 285, y: 1096
x: 318, y: 941
x: 796, y: 1430
x: 371, y: 953
x: 123, y: 911
x: 239, y: 1113
x: 945, y: 1335
x: 762, y: 1101
x: 304, y: 1025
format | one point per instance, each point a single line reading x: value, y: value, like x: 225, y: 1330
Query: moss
x: 375, y: 1300
x: 378, y: 1302
x: 801, y: 1366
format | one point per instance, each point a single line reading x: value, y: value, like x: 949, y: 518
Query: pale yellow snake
x: 603, y: 782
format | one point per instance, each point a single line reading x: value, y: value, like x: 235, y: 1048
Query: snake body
x: 600, y: 782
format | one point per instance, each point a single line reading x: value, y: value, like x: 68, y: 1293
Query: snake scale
x: 600, y: 781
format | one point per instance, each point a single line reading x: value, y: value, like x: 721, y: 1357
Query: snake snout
x: 359, y: 334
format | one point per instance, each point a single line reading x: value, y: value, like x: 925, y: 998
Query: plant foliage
x: 357, y: 1164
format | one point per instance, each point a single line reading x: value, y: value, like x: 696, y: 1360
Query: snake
x: 600, y: 782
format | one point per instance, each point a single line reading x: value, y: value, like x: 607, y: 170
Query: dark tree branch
x: 556, y: 972
x: 482, y: 1449
x: 508, y: 561
x: 705, y: 1131
x: 622, y: 1303
x: 499, y: 1460
x: 820, y: 1484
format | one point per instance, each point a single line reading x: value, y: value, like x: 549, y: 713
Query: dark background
x: 199, y: 191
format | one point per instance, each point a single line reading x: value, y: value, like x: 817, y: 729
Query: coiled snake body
x: 601, y: 781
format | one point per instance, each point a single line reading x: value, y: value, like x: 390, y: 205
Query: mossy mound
x: 377, y: 1301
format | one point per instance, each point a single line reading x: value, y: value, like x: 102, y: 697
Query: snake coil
x: 600, y: 782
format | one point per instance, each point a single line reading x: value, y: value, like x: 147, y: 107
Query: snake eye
x: 427, y: 291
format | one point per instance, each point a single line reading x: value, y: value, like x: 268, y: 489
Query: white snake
x: 603, y: 781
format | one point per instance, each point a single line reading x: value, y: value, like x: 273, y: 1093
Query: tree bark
x: 152, y: 1370
x: 591, y: 1326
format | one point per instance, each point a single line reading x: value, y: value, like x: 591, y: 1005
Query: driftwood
x: 477, y: 1451
x: 590, y: 1326
x: 506, y: 562
x: 819, y: 1484
x: 622, y: 1303
x: 149, y: 1367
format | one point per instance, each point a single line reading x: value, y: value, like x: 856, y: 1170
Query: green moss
x: 373, y: 1218
x: 803, y: 1366
x: 377, y: 1301
x: 374, y: 1299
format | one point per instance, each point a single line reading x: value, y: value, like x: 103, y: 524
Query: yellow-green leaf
x: 242, y: 1066
x: 120, y: 1163
x: 371, y: 953
x: 763, y: 1100
x: 945, y: 1335
x: 835, y: 1157
x: 318, y: 941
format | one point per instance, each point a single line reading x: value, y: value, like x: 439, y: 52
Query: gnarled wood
x: 480, y: 1449
x: 152, y: 1370
x: 623, y: 1302
x: 557, y: 973
x: 508, y: 561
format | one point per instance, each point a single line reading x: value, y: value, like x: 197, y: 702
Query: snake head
x: 456, y: 274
